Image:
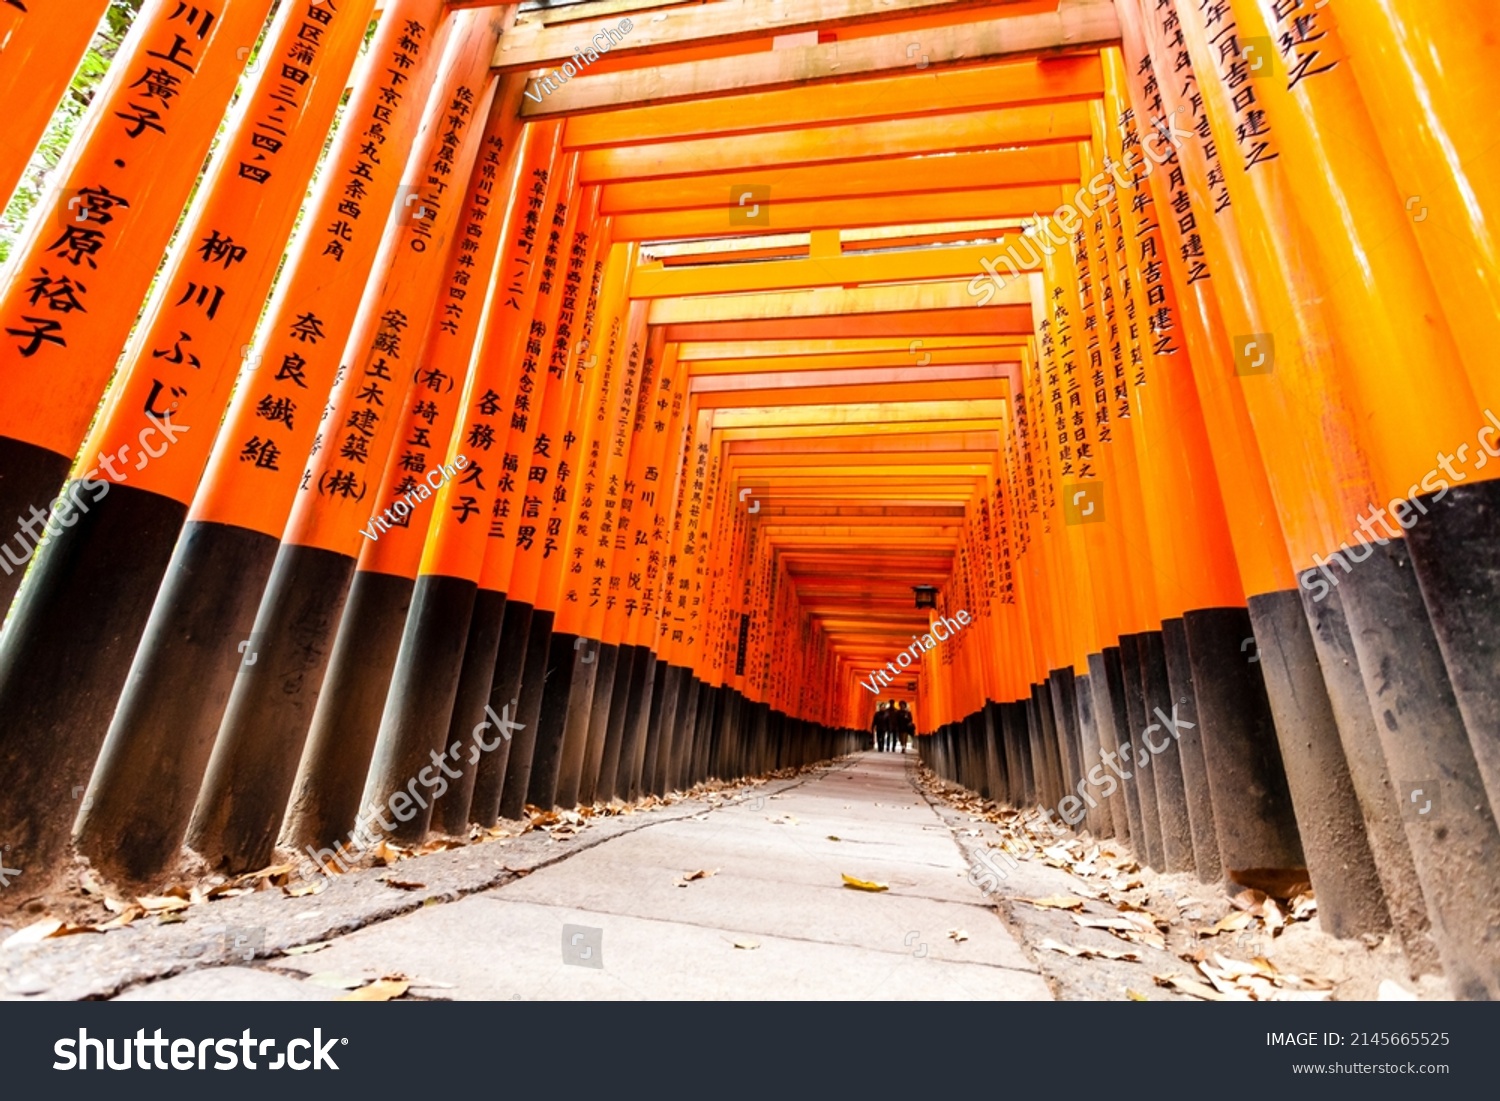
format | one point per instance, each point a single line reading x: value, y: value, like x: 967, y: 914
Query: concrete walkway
x: 774, y: 920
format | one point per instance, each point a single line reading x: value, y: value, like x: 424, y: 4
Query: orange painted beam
x: 817, y: 143
x: 1075, y: 25
x: 838, y: 333
x: 727, y: 220
x: 1007, y: 84
x: 1055, y: 164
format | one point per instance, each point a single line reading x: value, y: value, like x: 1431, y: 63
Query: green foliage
x: 66, y: 119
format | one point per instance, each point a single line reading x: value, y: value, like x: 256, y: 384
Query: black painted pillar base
x: 1097, y: 816
x: 1013, y: 717
x: 637, y: 715
x: 341, y: 739
x: 587, y: 659
x: 1195, y: 782
x: 612, y: 660
x: 30, y: 477
x: 505, y: 692
x: 189, y: 614
x: 564, y: 650
x: 1065, y: 719
x: 674, y: 719
x: 249, y: 780
x: 1240, y: 747
x: 1455, y: 554
x: 1108, y: 708
x: 994, y: 752
x: 419, y: 707
x: 64, y: 658
x: 467, y: 717
x: 627, y: 681
x: 523, y: 746
x: 1330, y: 823
x: 690, y: 731
x: 1149, y: 846
x: 1455, y: 844
x: 665, y: 716
x: 1163, y: 760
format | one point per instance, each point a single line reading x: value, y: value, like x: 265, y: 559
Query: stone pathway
x: 616, y: 920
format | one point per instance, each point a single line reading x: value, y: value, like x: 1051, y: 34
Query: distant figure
x: 882, y: 726
x: 905, y: 726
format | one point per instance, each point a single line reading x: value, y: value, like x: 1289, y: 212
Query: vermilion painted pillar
x: 123, y: 513
x: 43, y: 45
x: 415, y: 722
x: 330, y: 777
x: 74, y: 285
x: 395, y: 354
x: 1330, y: 824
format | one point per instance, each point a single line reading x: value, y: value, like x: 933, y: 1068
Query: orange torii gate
x: 719, y: 344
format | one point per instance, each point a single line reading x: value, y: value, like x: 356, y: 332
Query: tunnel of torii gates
x: 593, y: 401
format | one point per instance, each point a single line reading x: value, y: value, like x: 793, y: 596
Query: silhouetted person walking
x: 903, y: 724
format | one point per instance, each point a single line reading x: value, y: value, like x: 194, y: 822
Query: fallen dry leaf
x: 124, y: 918
x: 1080, y: 952
x: 864, y: 884
x: 1271, y: 914
x: 34, y: 933
x: 748, y: 945
x: 381, y: 990
x: 688, y: 877
x: 1303, y: 906
x: 1133, y: 927
x: 267, y: 874
x: 1192, y: 987
x: 1276, y: 882
x: 1248, y: 900
x: 1135, y: 995
x: 958, y: 935
x: 157, y: 904
x: 305, y: 889
x: 1056, y: 902
x: 1231, y: 923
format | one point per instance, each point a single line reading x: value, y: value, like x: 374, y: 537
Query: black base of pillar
x: 1455, y: 844
x: 1195, y: 782
x: 1240, y: 748
x: 254, y: 763
x: 523, y: 746
x: 201, y: 603
x: 587, y: 662
x: 30, y: 476
x: 505, y: 693
x: 546, y: 759
x: 611, y: 660
x: 1340, y: 862
x: 66, y: 654
x: 476, y: 678
x: 341, y: 739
